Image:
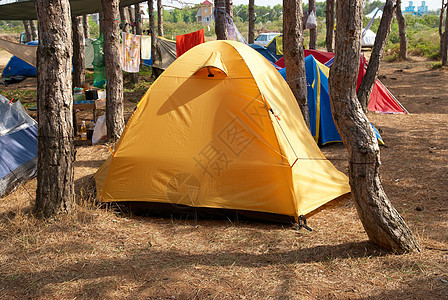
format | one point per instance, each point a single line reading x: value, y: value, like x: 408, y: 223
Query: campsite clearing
x: 99, y: 253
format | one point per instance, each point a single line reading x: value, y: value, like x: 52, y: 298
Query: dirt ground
x: 101, y: 253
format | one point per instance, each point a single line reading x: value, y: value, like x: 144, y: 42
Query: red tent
x: 381, y: 100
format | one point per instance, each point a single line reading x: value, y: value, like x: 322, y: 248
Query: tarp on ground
x: 220, y: 128
x: 18, y: 145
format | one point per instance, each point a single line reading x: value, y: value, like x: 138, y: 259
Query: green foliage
x: 7, y: 26
x: 94, y: 29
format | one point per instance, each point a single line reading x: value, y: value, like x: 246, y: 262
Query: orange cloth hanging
x: 187, y: 41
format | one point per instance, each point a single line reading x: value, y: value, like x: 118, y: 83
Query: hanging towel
x: 187, y: 41
x: 131, y: 52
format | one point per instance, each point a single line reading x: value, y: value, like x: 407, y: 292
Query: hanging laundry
x: 187, y: 41
x: 131, y: 52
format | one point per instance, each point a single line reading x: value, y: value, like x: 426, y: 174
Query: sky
x: 432, y: 4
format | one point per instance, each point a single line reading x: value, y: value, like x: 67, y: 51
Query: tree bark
x: 152, y: 30
x: 131, y: 19
x: 329, y: 18
x: 229, y: 7
x: 220, y: 20
x: 251, y: 21
x: 138, y: 20
x: 381, y: 221
x: 313, y: 32
x: 444, y: 42
x: 124, y: 19
x: 370, y: 77
x: 33, y: 31
x: 101, y: 19
x: 86, y: 26
x: 55, y: 177
x: 294, y: 57
x: 160, y: 17
x: 26, y: 24
x: 442, y: 11
x: 402, y: 32
x: 78, y: 52
x: 114, y: 88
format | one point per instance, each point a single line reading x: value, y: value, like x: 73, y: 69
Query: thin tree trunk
x: 229, y: 7
x: 33, y: 30
x: 26, y: 24
x: 101, y: 19
x: 131, y: 19
x: 402, y: 32
x: 313, y: 31
x: 444, y: 42
x: 114, y: 88
x: 220, y: 21
x: 152, y: 30
x: 55, y: 173
x: 329, y: 18
x: 160, y: 17
x: 86, y: 26
x: 381, y: 221
x: 124, y: 19
x: 251, y: 21
x: 370, y: 77
x: 294, y: 57
x: 78, y: 52
x: 442, y: 11
x: 138, y: 20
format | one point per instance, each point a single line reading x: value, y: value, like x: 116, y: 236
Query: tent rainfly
x: 220, y: 128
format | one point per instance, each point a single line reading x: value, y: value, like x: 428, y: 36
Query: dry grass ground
x: 99, y: 253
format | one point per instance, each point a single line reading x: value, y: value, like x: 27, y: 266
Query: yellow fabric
x: 279, y: 45
x: 214, y: 142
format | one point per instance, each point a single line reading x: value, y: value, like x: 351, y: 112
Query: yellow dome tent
x: 220, y: 128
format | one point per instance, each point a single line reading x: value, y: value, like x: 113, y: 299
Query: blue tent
x: 16, y: 66
x: 18, y: 145
x: 323, y: 128
x: 265, y: 52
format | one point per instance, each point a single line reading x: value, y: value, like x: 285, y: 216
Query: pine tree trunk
x: 251, y: 21
x: 444, y: 44
x: 442, y: 11
x: 402, y: 32
x: 370, y: 77
x: 86, y: 26
x: 329, y: 18
x: 124, y: 19
x: 229, y: 7
x: 114, y: 87
x: 131, y: 19
x: 101, y: 19
x: 55, y: 181
x: 78, y: 52
x: 138, y: 20
x: 33, y: 31
x: 152, y: 30
x: 220, y: 21
x: 160, y: 17
x: 26, y: 25
x: 381, y: 221
x: 313, y: 32
x: 294, y: 57
x: 132, y: 76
